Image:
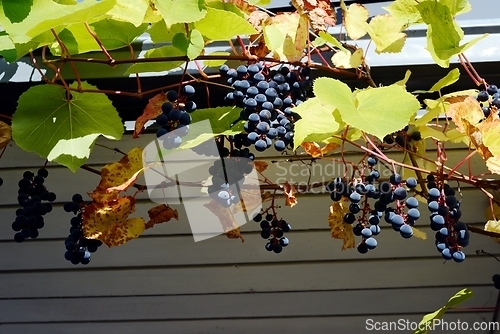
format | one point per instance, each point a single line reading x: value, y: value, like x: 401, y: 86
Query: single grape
x: 371, y: 243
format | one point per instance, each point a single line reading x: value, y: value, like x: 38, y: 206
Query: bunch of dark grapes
x: 273, y: 230
x: 489, y: 100
x: 228, y: 175
x: 451, y: 234
x: 403, y: 138
x: 267, y: 98
x: 175, y: 116
x: 31, y: 195
x: 78, y: 248
x: 390, y: 201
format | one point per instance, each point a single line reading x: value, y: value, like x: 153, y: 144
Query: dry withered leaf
x: 226, y: 218
x: 295, y: 29
x: 127, y: 184
x: 340, y: 229
x: 243, y: 5
x: 290, y: 192
x: 161, y: 214
x: 315, y: 151
x: 152, y: 110
x: 476, y: 137
x: 469, y: 110
x: 5, y: 134
x: 260, y: 165
x: 320, y: 13
x: 108, y: 221
x: 258, y: 19
x: 117, y: 174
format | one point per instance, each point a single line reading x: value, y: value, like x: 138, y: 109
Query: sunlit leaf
x: 116, y: 174
x: 295, y: 30
x: 185, y: 11
x: 58, y: 118
x: 115, y: 34
x: 109, y: 221
x: 469, y: 110
x: 193, y: 46
x: 449, y: 79
x: 355, y: 18
x: 216, y: 62
x: 274, y: 37
x: 228, y: 25
x: 346, y: 59
x: 290, y: 191
x: 16, y: 11
x: 132, y: 11
x: 164, y: 51
x: 405, y: 11
x: 386, y: 33
x: 316, y: 151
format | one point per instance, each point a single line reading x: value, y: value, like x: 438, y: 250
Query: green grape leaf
x: 193, y: 46
x: 216, y: 62
x: 115, y: 34
x: 443, y: 32
x: 79, y: 149
x: 221, y: 118
x: 385, y: 32
x: 132, y: 11
x: 181, y: 11
x: 17, y: 10
x: 217, y: 4
x: 7, y: 48
x: 58, y: 119
x: 457, y: 7
x: 330, y: 39
x: 46, y: 15
x: 403, y: 81
x: 164, y: 51
x: 317, y: 122
x: 434, y: 109
x: 160, y: 34
x: 66, y: 2
x: 342, y: 99
x: 259, y: 2
x: 228, y: 25
x: 405, y: 11
x: 449, y: 79
x: 428, y: 319
x: 77, y: 40
x: 273, y: 37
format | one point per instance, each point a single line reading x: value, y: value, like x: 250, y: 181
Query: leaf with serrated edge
x: 355, y: 19
x: 132, y: 11
x: 228, y: 25
x: 47, y: 14
x: 386, y: 33
x: 431, y: 318
x: 115, y: 34
x: 405, y: 11
x: 57, y: 118
x: 317, y: 120
x: 181, y: 11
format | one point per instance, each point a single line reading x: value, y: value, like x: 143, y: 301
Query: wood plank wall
x: 164, y: 282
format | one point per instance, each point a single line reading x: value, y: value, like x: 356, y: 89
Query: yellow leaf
x: 216, y: 62
x: 5, y: 134
x: 315, y: 151
x: 492, y: 226
x: 339, y: 229
x: 387, y: 33
x: 108, y: 221
x: 295, y: 29
x: 419, y: 234
x: 117, y: 174
x: 355, y: 19
x: 346, y: 59
x: 469, y: 109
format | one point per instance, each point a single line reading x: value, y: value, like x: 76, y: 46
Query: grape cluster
x: 489, y: 100
x: 228, y: 175
x: 273, y: 230
x: 391, y: 202
x: 31, y: 196
x: 267, y: 98
x: 78, y: 248
x: 175, y: 116
x: 451, y: 234
x: 403, y: 138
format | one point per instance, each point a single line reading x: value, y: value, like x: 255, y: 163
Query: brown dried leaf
x: 469, y: 109
x: 161, y: 214
x: 117, y: 174
x: 152, y: 110
x: 315, y: 151
x: 319, y: 12
x: 226, y: 218
x: 108, y: 221
x: 5, y: 134
x: 260, y: 166
x: 243, y: 5
x: 476, y: 137
x: 493, y: 165
x: 290, y: 192
x: 258, y: 19
x: 339, y: 229
x: 127, y: 184
x: 260, y: 48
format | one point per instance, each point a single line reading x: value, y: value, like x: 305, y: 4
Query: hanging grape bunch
x: 390, y: 201
x: 403, y: 138
x: 451, y: 234
x: 273, y: 230
x: 489, y: 100
x: 31, y: 196
x: 175, y: 116
x: 78, y: 248
x: 267, y: 98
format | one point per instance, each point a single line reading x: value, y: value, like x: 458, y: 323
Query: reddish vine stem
x: 65, y: 52
x: 6, y: 117
x: 137, y: 77
x: 110, y: 61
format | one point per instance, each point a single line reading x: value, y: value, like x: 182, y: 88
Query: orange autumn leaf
x: 127, y: 184
x: 243, y: 5
x: 161, y: 214
x: 290, y: 192
x: 340, y: 229
x: 476, y: 137
x: 315, y: 151
x: 108, y: 221
x: 226, y: 218
x: 468, y: 110
x: 5, y: 134
x: 118, y: 174
x: 260, y: 165
x: 152, y: 110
